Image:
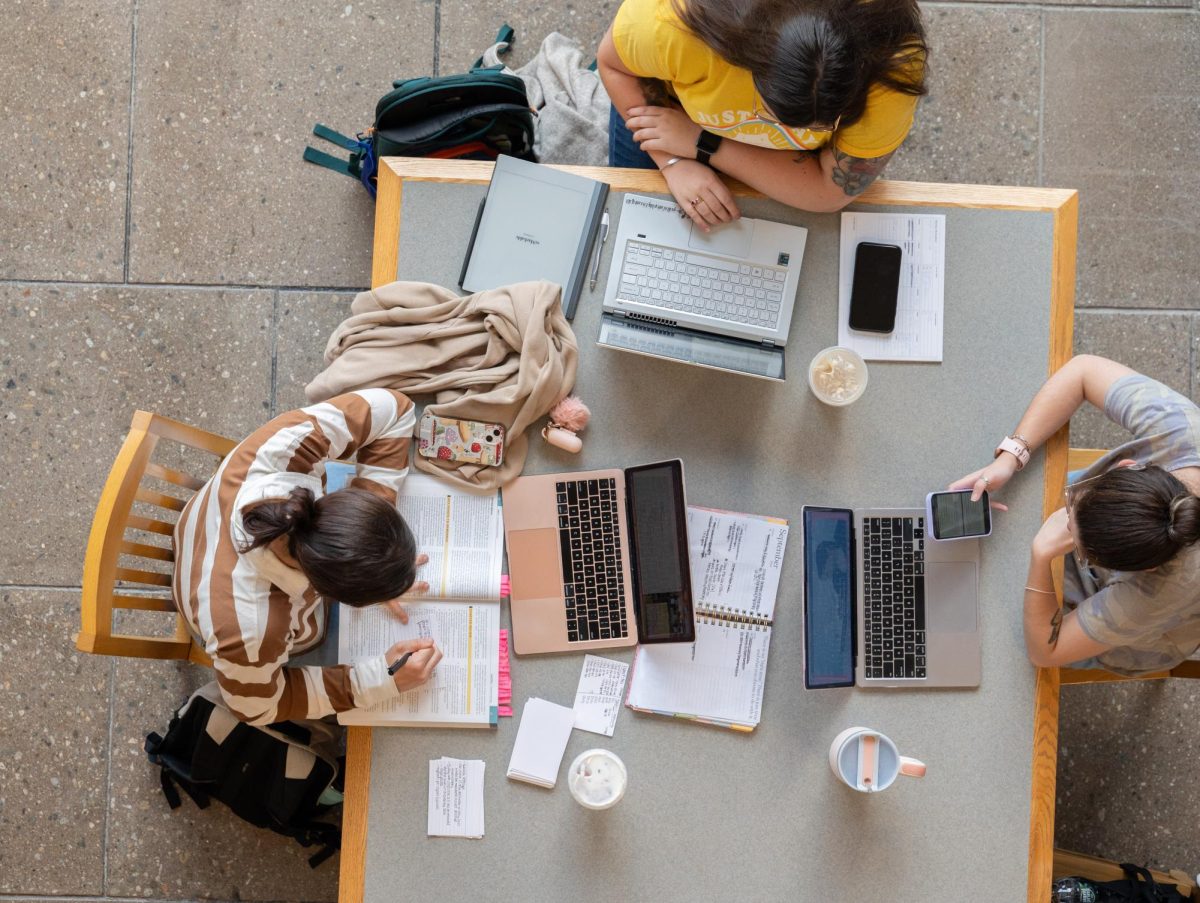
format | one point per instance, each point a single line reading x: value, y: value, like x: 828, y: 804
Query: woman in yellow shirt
x: 804, y: 101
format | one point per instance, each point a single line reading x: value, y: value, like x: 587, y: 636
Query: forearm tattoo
x: 1055, y: 627
x: 855, y: 174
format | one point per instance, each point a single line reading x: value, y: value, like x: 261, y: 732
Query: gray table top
x: 712, y: 814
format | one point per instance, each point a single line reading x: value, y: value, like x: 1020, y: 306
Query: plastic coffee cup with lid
x: 837, y: 376
x: 597, y: 779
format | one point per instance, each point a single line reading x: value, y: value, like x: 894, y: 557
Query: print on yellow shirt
x: 653, y: 43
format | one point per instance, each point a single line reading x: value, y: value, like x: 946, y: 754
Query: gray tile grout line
x: 1080, y: 7
x: 78, y: 899
x: 112, y: 692
x: 38, y: 587
x: 184, y: 286
x: 129, y: 138
x: 1192, y: 356
x: 1042, y: 104
x: 274, y: 352
x: 437, y: 36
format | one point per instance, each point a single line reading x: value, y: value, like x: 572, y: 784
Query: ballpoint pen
x: 399, y: 663
x: 599, y: 250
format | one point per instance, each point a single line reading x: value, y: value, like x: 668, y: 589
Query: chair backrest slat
x: 143, y: 603
x: 179, y: 478
x: 107, y: 543
x: 137, y: 522
x: 141, y: 550
x: 148, y: 578
x: 150, y: 497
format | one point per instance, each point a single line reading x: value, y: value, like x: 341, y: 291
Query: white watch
x: 1013, y: 445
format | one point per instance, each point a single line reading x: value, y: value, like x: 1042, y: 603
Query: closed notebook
x: 535, y: 223
x: 541, y: 741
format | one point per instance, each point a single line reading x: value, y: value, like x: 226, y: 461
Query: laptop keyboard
x: 590, y: 540
x: 702, y: 285
x: 894, y: 590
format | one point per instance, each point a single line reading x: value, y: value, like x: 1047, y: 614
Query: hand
x: 691, y: 181
x: 396, y: 606
x: 666, y: 129
x: 1054, y: 539
x: 420, y: 665
x: 989, y: 478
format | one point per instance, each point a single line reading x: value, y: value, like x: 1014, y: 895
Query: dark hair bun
x: 1184, y: 520
x: 267, y: 520
x: 298, y: 510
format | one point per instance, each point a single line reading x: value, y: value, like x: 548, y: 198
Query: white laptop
x: 721, y: 299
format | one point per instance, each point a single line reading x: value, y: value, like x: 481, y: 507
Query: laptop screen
x: 659, y: 553
x: 828, y: 597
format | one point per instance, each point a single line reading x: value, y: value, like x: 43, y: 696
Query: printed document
x: 922, y: 239
x: 463, y: 534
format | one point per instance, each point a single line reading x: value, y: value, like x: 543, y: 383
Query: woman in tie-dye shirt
x: 1129, y: 528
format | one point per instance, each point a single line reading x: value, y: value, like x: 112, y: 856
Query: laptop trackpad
x: 951, y: 596
x: 731, y: 239
x: 534, y: 568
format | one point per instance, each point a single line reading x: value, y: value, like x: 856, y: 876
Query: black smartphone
x: 876, y: 287
x: 952, y: 515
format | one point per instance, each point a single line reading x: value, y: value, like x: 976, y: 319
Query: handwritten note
x: 455, y: 797
x: 922, y: 239
x: 598, y: 696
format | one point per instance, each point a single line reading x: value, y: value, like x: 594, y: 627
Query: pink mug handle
x: 914, y: 768
x: 564, y: 439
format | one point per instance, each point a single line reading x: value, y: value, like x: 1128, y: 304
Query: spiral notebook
x: 736, y: 560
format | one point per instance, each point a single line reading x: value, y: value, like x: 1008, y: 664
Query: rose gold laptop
x: 598, y: 559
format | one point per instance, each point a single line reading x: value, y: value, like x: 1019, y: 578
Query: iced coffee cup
x: 597, y: 779
x: 837, y: 376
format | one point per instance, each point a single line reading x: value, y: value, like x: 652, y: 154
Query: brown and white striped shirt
x: 251, y: 611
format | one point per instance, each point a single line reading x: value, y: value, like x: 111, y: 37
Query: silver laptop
x: 721, y: 299
x: 885, y: 605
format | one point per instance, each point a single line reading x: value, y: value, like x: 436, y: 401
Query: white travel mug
x: 867, y: 761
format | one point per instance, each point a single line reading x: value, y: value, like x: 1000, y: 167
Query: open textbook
x: 462, y: 532
x: 736, y: 561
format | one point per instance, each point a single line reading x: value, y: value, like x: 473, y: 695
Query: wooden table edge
x: 1062, y: 203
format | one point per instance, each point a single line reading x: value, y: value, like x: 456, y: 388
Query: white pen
x: 599, y: 250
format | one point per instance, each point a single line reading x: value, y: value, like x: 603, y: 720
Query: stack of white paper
x: 598, y: 696
x: 541, y: 741
x: 455, y: 797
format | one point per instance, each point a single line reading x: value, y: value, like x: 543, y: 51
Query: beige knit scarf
x: 501, y: 356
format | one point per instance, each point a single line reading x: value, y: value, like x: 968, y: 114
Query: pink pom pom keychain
x: 567, y: 418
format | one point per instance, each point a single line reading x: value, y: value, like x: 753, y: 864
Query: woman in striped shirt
x: 261, y: 550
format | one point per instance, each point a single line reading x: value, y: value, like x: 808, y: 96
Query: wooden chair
x: 1067, y: 864
x: 129, y: 556
x: 1077, y: 459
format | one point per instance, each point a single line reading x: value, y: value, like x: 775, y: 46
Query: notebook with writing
x: 736, y: 561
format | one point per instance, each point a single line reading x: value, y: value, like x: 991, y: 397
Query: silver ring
x: 986, y: 480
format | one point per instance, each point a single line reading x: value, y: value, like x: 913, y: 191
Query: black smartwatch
x: 706, y: 146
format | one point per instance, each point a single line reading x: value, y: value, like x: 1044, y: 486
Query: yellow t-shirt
x: 720, y: 97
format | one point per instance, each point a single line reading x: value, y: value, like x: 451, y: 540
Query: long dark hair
x: 351, y: 544
x: 1134, y: 520
x: 815, y: 62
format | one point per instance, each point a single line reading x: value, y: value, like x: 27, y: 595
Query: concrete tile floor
x: 165, y: 247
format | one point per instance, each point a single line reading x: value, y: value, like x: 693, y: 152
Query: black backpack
x: 272, y: 777
x: 475, y: 116
x: 1138, y: 886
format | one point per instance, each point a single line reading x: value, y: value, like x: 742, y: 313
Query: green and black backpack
x: 475, y: 116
